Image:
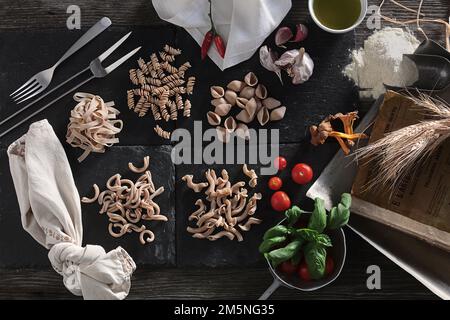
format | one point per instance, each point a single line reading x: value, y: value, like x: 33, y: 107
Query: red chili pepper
x: 206, y: 44
x: 220, y: 45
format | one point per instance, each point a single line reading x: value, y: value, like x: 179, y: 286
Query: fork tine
x: 32, y: 79
x: 28, y: 90
x: 31, y: 95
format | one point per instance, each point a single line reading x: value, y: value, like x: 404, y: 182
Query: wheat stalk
x: 399, y: 153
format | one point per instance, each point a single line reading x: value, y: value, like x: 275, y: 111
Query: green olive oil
x: 337, y: 14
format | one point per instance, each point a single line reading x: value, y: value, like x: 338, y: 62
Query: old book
x: 420, y: 205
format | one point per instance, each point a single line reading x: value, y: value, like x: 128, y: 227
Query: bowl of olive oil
x: 338, y: 16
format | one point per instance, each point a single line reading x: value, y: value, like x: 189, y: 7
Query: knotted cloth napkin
x: 51, y: 212
x: 243, y: 24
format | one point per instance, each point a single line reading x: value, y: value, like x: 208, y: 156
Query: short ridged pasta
x: 179, y: 101
x: 190, y: 85
x: 162, y: 133
x: 187, y: 108
x: 171, y: 50
x: 130, y: 99
x: 166, y: 57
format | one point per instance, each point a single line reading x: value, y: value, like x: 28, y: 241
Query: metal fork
x: 40, y: 81
x: 97, y: 70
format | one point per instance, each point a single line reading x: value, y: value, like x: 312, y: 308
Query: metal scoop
x: 338, y: 251
x: 433, y: 71
x: 433, y: 48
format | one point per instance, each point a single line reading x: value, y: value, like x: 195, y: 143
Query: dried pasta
x: 127, y: 203
x: 92, y: 124
x: 162, y: 133
x: 229, y: 207
x: 161, y: 88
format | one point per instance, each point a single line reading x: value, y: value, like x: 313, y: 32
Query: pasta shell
x: 217, y: 92
x: 222, y: 134
x: 242, y: 131
x: 251, y: 79
x: 247, y: 93
x: 213, y: 118
x: 244, y: 116
x: 236, y: 85
x: 258, y: 104
x: 230, y: 124
x: 231, y: 97
x: 263, y: 116
x: 261, y: 91
x: 250, y: 107
x: 223, y: 109
x: 277, y: 114
x: 218, y: 101
x: 241, y: 102
x: 271, y: 103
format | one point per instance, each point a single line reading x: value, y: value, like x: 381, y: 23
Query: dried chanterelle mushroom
x: 320, y: 133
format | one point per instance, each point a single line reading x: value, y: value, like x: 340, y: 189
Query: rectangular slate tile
x: 326, y: 92
x: 223, y: 252
x: 40, y: 49
x: 95, y: 169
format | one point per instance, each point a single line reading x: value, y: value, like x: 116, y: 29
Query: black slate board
x: 326, y: 92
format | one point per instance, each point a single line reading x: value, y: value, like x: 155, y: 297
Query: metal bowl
x: 338, y: 251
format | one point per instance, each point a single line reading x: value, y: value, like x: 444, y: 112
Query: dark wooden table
x: 203, y: 283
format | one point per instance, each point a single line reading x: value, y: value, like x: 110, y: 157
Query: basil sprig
x: 285, y: 242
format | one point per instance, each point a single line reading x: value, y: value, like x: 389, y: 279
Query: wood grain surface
x: 206, y: 283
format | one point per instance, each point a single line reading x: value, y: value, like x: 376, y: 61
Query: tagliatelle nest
x: 230, y: 209
x: 126, y: 203
x: 92, y: 125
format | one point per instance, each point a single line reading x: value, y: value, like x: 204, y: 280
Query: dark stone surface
x: 223, y: 252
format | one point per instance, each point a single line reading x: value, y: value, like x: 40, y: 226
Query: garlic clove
x: 223, y: 109
x: 267, y: 59
x: 277, y: 114
x: 230, y: 124
x: 271, y: 103
x: 236, y: 85
x: 303, y: 68
x: 217, y: 92
x: 247, y: 93
x: 241, y: 102
x: 250, y: 79
x: 231, y: 97
x: 287, y: 59
x: 263, y: 116
x: 242, y: 131
x: 213, y: 118
x: 216, y: 102
x: 261, y: 91
x: 300, y: 34
x: 283, y: 35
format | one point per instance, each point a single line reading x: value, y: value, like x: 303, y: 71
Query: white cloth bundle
x: 51, y: 212
x: 243, y: 24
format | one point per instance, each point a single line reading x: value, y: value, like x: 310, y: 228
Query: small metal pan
x: 433, y: 48
x: 338, y: 251
x: 433, y: 71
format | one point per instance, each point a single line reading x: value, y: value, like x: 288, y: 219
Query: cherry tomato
x: 303, y: 272
x: 329, y: 265
x: 280, y: 201
x: 280, y: 163
x: 302, y: 173
x: 287, y: 267
x: 275, y: 183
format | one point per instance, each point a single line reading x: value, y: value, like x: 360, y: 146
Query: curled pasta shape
x: 94, y: 198
x: 135, y: 169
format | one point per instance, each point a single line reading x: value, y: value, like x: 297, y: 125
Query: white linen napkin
x: 51, y: 213
x: 243, y: 24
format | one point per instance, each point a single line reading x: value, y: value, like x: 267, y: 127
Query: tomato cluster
x: 289, y: 268
x: 301, y: 174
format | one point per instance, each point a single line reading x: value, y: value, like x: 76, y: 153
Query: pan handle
x: 274, y: 286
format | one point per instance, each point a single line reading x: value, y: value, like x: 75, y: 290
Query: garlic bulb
x: 303, y: 68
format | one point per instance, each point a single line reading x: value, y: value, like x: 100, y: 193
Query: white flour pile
x: 381, y: 61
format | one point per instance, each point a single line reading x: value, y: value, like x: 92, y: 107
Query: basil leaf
x: 276, y: 231
x: 283, y: 254
x: 268, y: 244
x: 296, y: 258
x: 346, y: 200
x: 323, y: 240
x: 306, y: 234
x: 318, y: 220
x: 339, y: 216
x: 315, y: 257
x: 292, y: 215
